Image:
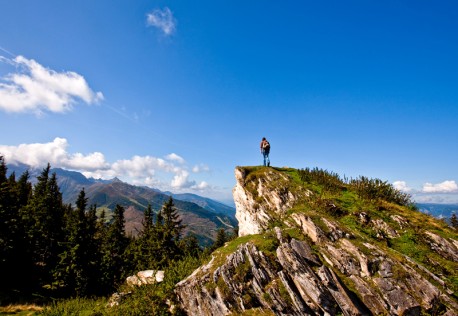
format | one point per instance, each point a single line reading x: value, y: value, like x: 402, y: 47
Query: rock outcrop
x: 267, y: 199
x: 145, y: 277
x: 314, y: 264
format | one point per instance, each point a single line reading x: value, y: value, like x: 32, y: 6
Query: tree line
x: 53, y: 248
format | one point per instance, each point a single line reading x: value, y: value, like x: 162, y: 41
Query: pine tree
x: 148, y: 222
x: 44, y: 219
x: 189, y: 246
x: 169, y: 230
x: 24, y: 189
x: 22, y: 267
x: 221, y: 238
x: 113, y: 249
x: 454, y: 221
x: 8, y: 224
x: 93, y: 251
x: 146, y: 246
x: 73, y: 272
x: 15, y: 262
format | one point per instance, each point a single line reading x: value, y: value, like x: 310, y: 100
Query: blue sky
x: 174, y: 95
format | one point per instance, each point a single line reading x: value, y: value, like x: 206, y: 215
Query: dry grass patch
x: 20, y: 309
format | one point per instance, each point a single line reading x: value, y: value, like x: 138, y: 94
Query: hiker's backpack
x: 266, y: 146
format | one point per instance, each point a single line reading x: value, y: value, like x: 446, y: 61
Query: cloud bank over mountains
x: 448, y: 186
x: 443, y: 192
x: 37, y: 89
x: 170, y: 172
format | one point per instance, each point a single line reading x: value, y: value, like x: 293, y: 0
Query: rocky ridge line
x: 327, y: 271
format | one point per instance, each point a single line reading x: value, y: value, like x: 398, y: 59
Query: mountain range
x: 202, y: 216
x: 438, y: 210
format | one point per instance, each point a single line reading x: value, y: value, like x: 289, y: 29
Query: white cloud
x: 37, y: 89
x: 55, y: 152
x: 151, y: 171
x: 163, y: 20
x: 175, y: 157
x: 200, y: 168
x: 401, y: 186
x: 180, y: 180
x: 448, y: 186
x: 201, y: 186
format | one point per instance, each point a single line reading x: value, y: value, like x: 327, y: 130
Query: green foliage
x: 266, y: 296
x: 454, y: 221
x: 113, y: 251
x: 145, y: 300
x: 76, y: 306
x: 256, y: 312
x: 221, y: 238
x: 211, y: 288
x: 12, y: 243
x: 168, y: 233
x: 284, y: 293
x: 189, y: 246
x: 329, y: 180
x: 57, y: 250
x: 376, y: 189
x: 79, y: 259
x: 224, y: 289
x: 243, y: 271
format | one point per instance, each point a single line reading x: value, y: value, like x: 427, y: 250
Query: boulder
x: 145, y: 277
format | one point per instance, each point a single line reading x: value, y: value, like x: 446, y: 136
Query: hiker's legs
x: 266, y: 159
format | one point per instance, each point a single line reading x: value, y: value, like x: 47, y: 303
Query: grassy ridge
x: 343, y: 200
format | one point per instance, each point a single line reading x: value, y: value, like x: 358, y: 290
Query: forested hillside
x: 202, y: 217
x: 52, y: 249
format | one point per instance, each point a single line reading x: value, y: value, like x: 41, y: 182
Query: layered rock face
x: 268, y: 199
x: 314, y: 266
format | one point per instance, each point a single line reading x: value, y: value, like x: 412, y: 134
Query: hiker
x: 265, y: 150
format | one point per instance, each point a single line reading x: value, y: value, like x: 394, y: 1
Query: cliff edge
x: 311, y: 243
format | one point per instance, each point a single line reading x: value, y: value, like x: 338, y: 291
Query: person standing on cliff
x: 265, y: 150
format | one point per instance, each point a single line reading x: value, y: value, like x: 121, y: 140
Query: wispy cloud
x: 175, y: 157
x: 448, y: 186
x: 170, y: 172
x: 200, y: 168
x: 35, y: 88
x: 163, y: 20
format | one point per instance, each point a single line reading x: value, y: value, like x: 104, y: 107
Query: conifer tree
x: 169, y: 232
x: 147, y: 243
x: 44, y: 220
x: 221, y: 238
x: 93, y: 251
x: 113, y: 249
x: 189, y: 246
x: 454, y: 221
x: 6, y: 212
x: 75, y: 260
x: 24, y: 189
x: 22, y: 263
x: 15, y: 262
x: 8, y: 224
